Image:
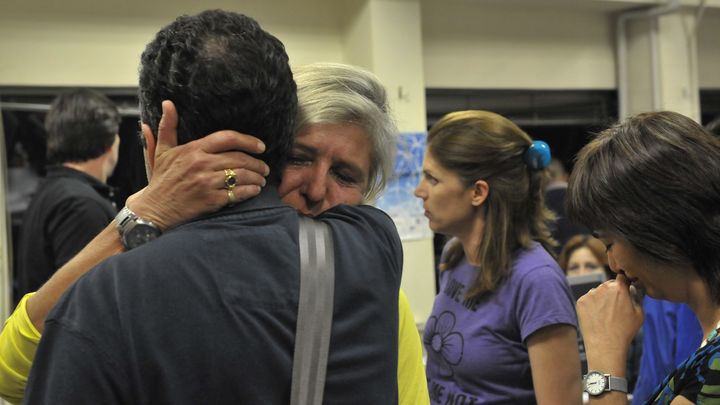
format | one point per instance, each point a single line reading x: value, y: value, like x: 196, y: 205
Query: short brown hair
x: 654, y: 179
x: 580, y: 241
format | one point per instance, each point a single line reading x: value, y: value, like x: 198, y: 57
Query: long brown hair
x: 481, y: 145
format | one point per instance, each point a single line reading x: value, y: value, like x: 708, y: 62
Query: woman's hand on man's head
x: 190, y: 180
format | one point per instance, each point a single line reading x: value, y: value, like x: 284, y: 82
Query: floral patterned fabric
x: 697, y: 378
x: 477, y: 351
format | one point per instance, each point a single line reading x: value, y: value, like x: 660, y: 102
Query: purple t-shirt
x: 477, y: 352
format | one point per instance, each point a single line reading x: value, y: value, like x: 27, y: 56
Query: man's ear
x: 480, y: 193
x: 149, y: 144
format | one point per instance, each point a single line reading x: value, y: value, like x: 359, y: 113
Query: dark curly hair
x: 81, y: 125
x: 222, y: 71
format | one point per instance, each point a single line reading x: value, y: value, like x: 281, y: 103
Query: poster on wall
x: 399, y: 200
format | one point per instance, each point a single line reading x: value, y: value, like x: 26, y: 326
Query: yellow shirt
x: 412, y: 383
x: 18, y: 342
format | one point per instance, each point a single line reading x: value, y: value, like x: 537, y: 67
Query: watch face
x: 140, y: 234
x: 595, y: 383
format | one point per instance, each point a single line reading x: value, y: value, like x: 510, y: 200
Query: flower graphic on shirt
x: 444, y: 346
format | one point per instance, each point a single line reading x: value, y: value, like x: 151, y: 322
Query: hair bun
x: 537, y: 156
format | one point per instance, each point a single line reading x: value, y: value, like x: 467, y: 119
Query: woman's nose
x: 418, y: 191
x: 316, y: 187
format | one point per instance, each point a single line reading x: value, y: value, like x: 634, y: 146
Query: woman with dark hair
x: 650, y: 187
x: 502, y: 329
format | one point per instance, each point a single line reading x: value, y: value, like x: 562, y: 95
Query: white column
x: 384, y: 36
x: 662, y: 67
x: 679, y: 85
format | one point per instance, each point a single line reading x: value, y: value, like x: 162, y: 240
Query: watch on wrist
x: 134, y: 231
x: 596, y: 383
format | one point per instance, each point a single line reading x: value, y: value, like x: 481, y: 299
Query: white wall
x: 83, y: 42
x: 466, y: 44
x: 472, y: 44
x: 511, y: 45
x: 708, y: 46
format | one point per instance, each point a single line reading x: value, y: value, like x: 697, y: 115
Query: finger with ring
x: 231, y: 197
x: 230, y: 179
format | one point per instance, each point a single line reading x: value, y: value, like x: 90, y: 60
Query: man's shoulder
x: 362, y: 220
x: 237, y: 234
x: 64, y: 189
x: 365, y: 232
x: 75, y: 187
x: 359, y: 215
x: 57, y: 197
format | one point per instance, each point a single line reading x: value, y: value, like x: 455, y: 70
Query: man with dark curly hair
x: 208, y: 312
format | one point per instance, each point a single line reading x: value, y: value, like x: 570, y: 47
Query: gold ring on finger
x: 230, y: 179
x: 231, y: 197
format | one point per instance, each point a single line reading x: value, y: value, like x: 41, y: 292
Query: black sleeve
x: 74, y: 225
x: 71, y: 368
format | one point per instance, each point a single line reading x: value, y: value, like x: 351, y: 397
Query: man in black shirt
x: 72, y: 205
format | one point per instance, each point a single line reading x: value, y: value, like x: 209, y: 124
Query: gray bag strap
x: 315, y: 308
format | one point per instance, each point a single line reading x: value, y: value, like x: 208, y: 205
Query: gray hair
x: 333, y: 93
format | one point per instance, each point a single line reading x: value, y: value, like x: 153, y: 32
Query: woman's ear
x: 480, y: 193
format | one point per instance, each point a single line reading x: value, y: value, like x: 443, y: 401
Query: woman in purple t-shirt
x: 503, y: 327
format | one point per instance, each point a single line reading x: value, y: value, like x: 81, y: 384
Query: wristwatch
x: 596, y: 383
x: 134, y: 231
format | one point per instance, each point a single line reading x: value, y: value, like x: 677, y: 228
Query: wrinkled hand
x: 189, y: 180
x: 609, y: 318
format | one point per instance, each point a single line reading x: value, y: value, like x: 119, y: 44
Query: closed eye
x: 299, y: 160
x: 346, y: 179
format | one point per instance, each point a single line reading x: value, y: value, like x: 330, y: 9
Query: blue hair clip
x: 537, y: 156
